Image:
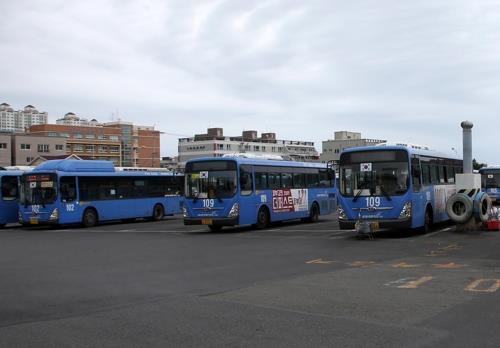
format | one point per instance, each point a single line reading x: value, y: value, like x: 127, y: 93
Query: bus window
x: 246, y: 184
x: 286, y: 180
x: 9, y: 188
x: 274, y: 180
x: 451, y: 174
x: 426, y: 174
x: 299, y: 180
x: 416, y: 174
x: 260, y: 180
x: 125, y: 188
x: 324, y: 178
x: 312, y: 180
x: 442, y: 177
x: 68, y: 189
x: 434, y: 174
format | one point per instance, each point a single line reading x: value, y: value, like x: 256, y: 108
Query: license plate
x: 34, y: 221
x: 375, y: 226
x: 493, y: 190
x: 206, y: 221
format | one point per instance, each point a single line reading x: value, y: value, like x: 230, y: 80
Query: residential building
x: 19, y: 120
x: 215, y: 144
x: 70, y: 119
x: 5, y: 149
x: 343, y: 140
x: 27, y: 147
x: 89, y: 142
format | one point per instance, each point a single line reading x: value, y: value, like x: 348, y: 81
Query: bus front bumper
x: 394, y: 224
x: 212, y: 221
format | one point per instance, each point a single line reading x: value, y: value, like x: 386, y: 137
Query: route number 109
x: 372, y: 202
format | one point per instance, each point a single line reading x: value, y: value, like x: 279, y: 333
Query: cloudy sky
x: 397, y: 70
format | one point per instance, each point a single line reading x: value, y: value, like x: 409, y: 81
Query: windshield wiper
x: 384, y: 192
x: 357, y: 195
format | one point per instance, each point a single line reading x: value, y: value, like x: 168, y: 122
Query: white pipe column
x: 467, y: 146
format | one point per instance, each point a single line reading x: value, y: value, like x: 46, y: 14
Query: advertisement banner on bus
x: 290, y: 200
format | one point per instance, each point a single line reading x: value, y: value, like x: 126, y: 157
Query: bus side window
x: 9, y: 188
x: 274, y: 181
x: 451, y: 174
x: 260, y: 180
x: 416, y: 174
x: 246, y: 182
x: 286, y: 180
x: 299, y: 180
x: 68, y: 189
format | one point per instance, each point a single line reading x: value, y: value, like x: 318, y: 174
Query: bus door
x: 249, y: 203
x: 419, y: 197
x: 70, y: 209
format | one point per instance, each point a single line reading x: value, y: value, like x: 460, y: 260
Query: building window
x: 78, y: 136
x: 25, y: 146
x: 59, y: 147
x: 102, y: 137
x: 89, y: 136
x: 89, y: 148
x: 3, y: 145
x: 29, y: 159
x: 103, y: 149
x: 52, y: 134
x: 114, y: 149
x: 43, y: 148
x: 337, y: 150
x: 113, y: 137
x: 78, y: 148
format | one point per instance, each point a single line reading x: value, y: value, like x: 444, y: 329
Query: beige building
x: 344, y: 140
x: 5, y: 150
x: 25, y: 148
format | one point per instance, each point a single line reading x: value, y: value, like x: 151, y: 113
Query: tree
x: 476, y: 165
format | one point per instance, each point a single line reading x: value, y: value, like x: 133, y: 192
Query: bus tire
x: 215, y: 228
x: 428, y: 220
x: 482, y: 207
x: 90, y: 217
x: 262, y: 218
x: 459, y: 208
x: 158, y: 212
x: 314, y: 213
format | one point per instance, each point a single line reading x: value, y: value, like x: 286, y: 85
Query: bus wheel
x: 314, y: 213
x: 215, y: 228
x: 428, y: 221
x: 158, y: 212
x: 89, y: 218
x: 262, y: 218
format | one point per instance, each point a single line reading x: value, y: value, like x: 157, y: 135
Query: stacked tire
x: 461, y: 207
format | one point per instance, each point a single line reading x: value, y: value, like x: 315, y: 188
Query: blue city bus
x: 490, y: 182
x: 71, y: 191
x: 230, y: 191
x: 9, y: 194
x: 400, y: 186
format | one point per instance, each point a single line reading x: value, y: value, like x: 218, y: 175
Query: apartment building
x: 343, y: 140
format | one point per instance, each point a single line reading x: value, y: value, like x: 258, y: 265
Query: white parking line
x: 437, y: 232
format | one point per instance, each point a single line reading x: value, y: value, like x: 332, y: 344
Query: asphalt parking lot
x: 163, y: 284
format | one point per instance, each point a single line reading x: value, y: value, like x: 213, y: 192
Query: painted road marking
x: 437, y: 232
x: 405, y: 265
x: 473, y: 287
x: 451, y: 265
x: 361, y: 264
x: 320, y: 262
x: 409, y: 283
x: 444, y: 250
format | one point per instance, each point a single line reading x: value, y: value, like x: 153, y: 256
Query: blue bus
x: 9, y: 194
x: 87, y: 192
x: 490, y: 182
x: 400, y: 186
x: 230, y: 191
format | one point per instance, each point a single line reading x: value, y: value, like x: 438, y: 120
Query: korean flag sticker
x: 366, y: 167
x: 203, y: 175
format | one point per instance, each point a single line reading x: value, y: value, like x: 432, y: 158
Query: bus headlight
x: 341, y: 212
x: 235, y: 210
x: 185, y: 212
x: 406, y: 211
x: 54, y: 215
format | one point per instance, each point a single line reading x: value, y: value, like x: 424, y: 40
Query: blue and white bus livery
x: 87, y: 192
x: 400, y: 186
x: 9, y: 183
x: 232, y: 191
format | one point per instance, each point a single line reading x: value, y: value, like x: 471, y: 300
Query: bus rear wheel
x: 262, y: 219
x: 313, y: 214
x: 158, y: 212
x: 89, y: 218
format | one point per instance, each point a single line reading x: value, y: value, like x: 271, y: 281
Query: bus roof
x: 260, y: 162
x: 11, y: 172
x: 492, y: 168
x: 93, y: 168
x: 410, y: 150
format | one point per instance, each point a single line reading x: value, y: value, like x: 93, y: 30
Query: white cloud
x: 391, y: 69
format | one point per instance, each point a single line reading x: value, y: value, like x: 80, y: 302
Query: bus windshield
x: 379, y: 173
x: 490, y: 179
x: 211, y: 179
x: 38, y: 189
